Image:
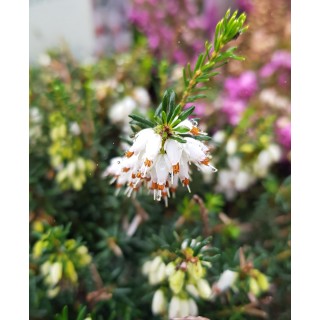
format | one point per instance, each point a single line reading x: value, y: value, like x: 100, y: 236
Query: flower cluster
x: 72, y: 169
x: 62, y: 258
x: 119, y: 112
x: 238, y: 91
x: 176, y: 29
x: 160, y: 163
x: 239, y: 174
x: 182, y: 279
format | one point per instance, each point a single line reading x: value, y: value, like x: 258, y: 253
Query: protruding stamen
x: 185, y: 181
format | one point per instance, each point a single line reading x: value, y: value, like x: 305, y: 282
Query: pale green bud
x: 196, y: 270
x: 170, y: 269
x: 176, y: 281
x: 71, y: 272
x: 204, y: 289
x: 62, y: 175
x: 192, y: 290
x: 71, y: 169
x: 81, y: 164
x: 51, y: 293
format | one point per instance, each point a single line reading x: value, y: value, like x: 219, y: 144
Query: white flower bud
x: 159, y: 302
x: 193, y: 308
x: 170, y: 269
x: 174, y: 307
x: 71, y: 168
x: 219, y: 136
x: 226, y: 280
x: 231, y: 146
x: 55, y: 273
x: 192, y: 290
x: 204, y: 289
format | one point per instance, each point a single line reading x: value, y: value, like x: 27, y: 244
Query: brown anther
x: 148, y: 163
x: 164, y: 193
x: 185, y: 181
x: 118, y: 185
x: 205, y: 161
x: 139, y: 175
x: 133, y: 176
x: 125, y: 169
x: 176, y: 168
x: 195, y: 131
x: 129, y: 154
x: 154, y: 186
x: 160, y: 186
x: 148, y: 179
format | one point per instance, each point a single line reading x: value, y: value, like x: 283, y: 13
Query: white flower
x: 231, y: 146
x: 158, y: 163
x: 174, y: 307
x: 193, y: 308
x: 75, y: 129
x: 155, y: 270
x: 265, y: 159
x: 120, y: 111
x: 52, y: 272
x: 159, y: 302
x: 182, y: 307
x: 219, y: 137
x: 141, y: 96
x: 235, y: 179
x: 226, y: 280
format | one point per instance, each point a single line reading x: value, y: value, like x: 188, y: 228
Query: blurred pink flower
x: 233, y: 108
x: 283, y: 132
x: 280, y: 60
x: 242, y: 87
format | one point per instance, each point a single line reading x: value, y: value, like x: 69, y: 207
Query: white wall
x: 54, y: 21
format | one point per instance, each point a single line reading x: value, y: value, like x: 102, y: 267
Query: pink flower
x: 233, y: 108
x: 242, y: 87
x: 283, y: 132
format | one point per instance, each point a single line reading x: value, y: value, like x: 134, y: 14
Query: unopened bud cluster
x: 182, y: 282
x: 62, y: 258
x: 72, y: 169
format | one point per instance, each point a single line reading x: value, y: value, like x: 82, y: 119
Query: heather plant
x: 109, y: 138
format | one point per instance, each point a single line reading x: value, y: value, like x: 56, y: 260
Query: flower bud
x: 176, y: 281
x: 231, y: 146
x: 204, y: 289
x: 159, y: 302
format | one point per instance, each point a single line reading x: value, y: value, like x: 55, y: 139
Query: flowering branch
x: 227, y: 30
x: 165, y: 146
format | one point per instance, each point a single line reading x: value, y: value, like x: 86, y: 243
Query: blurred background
x: 92, y: 63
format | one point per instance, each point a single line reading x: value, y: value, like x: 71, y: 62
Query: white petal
x: 174, y: 150
x: 153, y: 146
x: 162, y: 170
